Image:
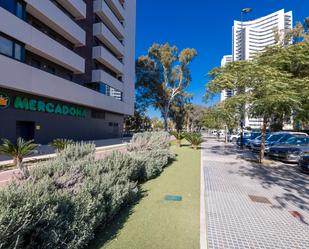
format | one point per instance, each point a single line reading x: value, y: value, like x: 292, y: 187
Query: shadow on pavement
x: 288, y: 177
x: 291, y: 186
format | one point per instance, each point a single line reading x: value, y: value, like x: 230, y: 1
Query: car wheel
x: 234, y: 140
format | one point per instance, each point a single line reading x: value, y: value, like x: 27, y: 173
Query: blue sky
x: 203, y: 24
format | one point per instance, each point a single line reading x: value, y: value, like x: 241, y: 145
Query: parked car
x: 290, y: 150
x: 303, y: 161
x: 256, y: 140
x: 247, y: 138
x: 234, y: 137
x: 275, y: 138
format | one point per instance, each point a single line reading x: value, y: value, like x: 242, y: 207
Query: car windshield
x: 275, y: 137
x: 297, y: 140
x: 255, y: 135
x: 247, y: 135
x: 260, y: 137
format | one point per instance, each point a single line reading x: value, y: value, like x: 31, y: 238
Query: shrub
x: 152, y: 151
x: 195, y: 139
x: 153, y: 162
x: 60, y: 143
x: 149, y: 141
x: 66, y: 199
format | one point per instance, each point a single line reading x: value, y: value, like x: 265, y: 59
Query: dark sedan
x: 247, y: 138
x: 274, y: 139
x: 290, y: 150
x: 304, y: 161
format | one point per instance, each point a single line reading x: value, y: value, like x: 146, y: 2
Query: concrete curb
x: 203, y: 227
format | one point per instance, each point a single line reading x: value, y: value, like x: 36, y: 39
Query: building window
x: 11, y: 48
x: 20, y: 10
x: 6, y: 46
x: 35, y: 63
x: 18, y: 53
x: 51, y: 69
x: 16, y: 7
x: 106, y: 90
x: 68, y: 76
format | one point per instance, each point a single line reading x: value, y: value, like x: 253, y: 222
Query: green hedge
x: 66, y: 199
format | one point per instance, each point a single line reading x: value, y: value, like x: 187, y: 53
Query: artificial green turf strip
x: 154, y: 222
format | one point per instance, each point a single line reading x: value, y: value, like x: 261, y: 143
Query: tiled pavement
x: 234, y: 221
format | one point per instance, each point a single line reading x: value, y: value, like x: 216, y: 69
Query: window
x: 11, y: 48
x: 20, y: 10
x: 18, y: 53
x: 68, y: 76
x: 50, y: 69
x: 35, y: 63
x: 6, y: 46
x: 16, y: 7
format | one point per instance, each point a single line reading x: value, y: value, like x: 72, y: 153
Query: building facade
x: 226, y: 93
x: 252, y: 37
x: 66, y: 68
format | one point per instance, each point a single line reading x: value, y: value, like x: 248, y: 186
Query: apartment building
x: 66, y: 68
x: 226, y: 93
x: 251, y: 37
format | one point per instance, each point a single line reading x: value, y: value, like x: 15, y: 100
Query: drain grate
x: 173, y: 198
x: 259, y: 199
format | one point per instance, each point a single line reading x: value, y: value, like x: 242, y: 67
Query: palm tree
x: 18, y: 151
x: 179, y: 136
x: 61, y: 143
x: 195, y: 139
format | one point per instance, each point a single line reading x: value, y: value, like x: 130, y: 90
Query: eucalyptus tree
x: 178, y: 110
x: 162, y: 75
x: 194, y: 117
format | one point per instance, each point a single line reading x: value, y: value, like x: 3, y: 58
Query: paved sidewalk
x: 235, y: 221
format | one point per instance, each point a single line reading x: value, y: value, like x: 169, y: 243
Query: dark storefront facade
x: 43, y: 119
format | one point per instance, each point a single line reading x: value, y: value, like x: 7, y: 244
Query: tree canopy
x: 162, y: 75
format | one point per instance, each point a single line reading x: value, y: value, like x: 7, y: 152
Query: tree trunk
x: 23, y: 168
x: 165, y: 117
x: 165, y: 122
x: 263, y: 139
x: 225, y: 131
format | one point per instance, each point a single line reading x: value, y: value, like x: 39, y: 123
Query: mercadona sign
x: 29, y: 104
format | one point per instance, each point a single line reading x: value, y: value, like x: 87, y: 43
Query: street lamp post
x: 243, y: 11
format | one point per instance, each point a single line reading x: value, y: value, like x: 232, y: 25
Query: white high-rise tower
x: 226, y: 93
x: 252, y: 37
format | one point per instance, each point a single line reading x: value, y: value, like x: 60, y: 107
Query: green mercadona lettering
x: 42, y: 106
